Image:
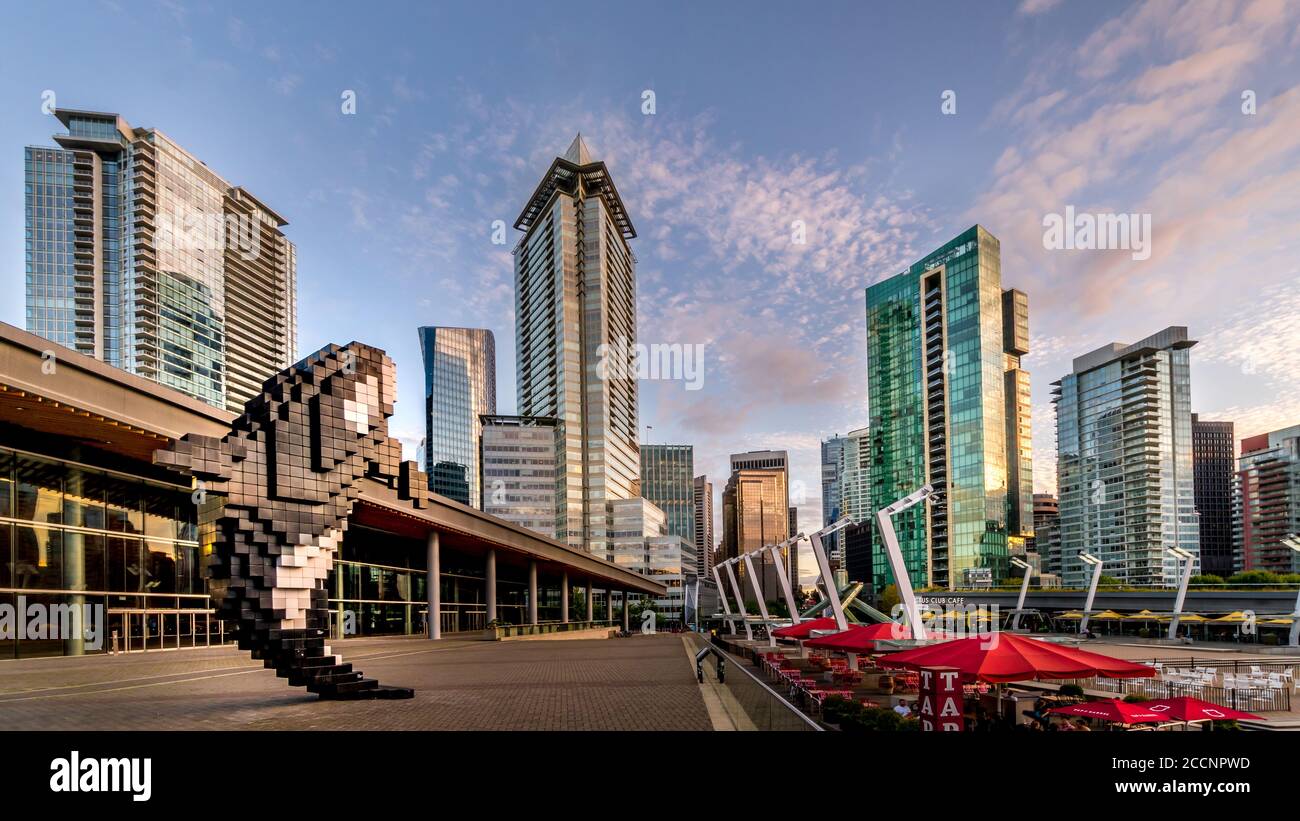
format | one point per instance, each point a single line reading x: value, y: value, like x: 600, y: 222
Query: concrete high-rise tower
x: 1124, y: 460
x: 140, y: 255
x: 575, y: 314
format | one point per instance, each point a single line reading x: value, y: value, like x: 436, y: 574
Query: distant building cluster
x: 1138, y: 474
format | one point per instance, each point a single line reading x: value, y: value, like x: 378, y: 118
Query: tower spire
x: 578, y: 152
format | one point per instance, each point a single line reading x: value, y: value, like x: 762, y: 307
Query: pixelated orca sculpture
x: 274, y: 495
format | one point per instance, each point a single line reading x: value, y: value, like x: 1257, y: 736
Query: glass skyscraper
x: 938, y: 364
x: 668, y: 480
x: 141, y: 256
x: 1214, y: 466
x: 832, y: 455
x: 1124, y: 460
x: 460, y: 386
x: 575, y: 332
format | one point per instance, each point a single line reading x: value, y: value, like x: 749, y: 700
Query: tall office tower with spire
x: 138, y: 254
x: 575, y: 332
x: 460, y: 387
x: 943, y: 359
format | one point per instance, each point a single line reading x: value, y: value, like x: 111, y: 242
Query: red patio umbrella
x: 1003, y: 657
x: 1117, y: 711
x: 804, y: 628
x: 1186, y: 708
x: 861, y: 638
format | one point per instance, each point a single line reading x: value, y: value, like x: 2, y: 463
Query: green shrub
x: 835, y: 707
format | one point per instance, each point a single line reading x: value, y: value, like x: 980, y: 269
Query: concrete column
x: 491, y: 582
x: 625, y: 627
x: 591, y: 604
x: 609, y: 605
x: 564, y: 597
x: 434, y: 585
x: 532, y: 591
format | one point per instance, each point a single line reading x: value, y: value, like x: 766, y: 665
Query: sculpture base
x: 374, y: 690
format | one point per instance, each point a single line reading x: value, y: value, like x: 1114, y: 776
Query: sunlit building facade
x: 460, y: 386
x: 939, y: 360
x: 1124, y: 460
x: 518, y: 462
x: 756, y: 514
x: 141, y: 256
x: 575, y: 314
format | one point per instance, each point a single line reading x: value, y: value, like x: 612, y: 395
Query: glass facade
x: 668, y: 480
x: 756, y: 514
x: 75, y: 534
x: 936, y: 369
x: 129, y: 260
x: 1124, y: 460
x: 460, y: 386
x: 1214, y: 465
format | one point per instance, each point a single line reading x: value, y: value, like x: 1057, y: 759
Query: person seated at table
x: 1082, y: 726
x: 902, y: 709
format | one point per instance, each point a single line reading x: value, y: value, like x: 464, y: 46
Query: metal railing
x: 764, y: 707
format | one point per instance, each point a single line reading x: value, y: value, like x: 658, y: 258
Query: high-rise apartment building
x: 460, y: 386
x: 703, y: 492
x: 1046, y: 541
x: 941, y: 351
x: 668, y: 480
x: 1015, y: 389
x: 140, y: 255
x: 1214, y: 463
x: 518, y: 463
x: 1268, y: 479
x: 855, y: 475
x: 832, y: 453
x: 1124, y: 460
x: 575, y: 314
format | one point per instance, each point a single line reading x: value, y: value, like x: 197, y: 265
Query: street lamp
x: 824, y: 569
x: 1292, y: 541
x: 722, y: 594
x: 1088, y: 558
x: 740, y: 600
x: 782, y: 575
x: 1024, y: 588
x: 884, y: 520
x: 1185, y: 577
x: 748, y: 558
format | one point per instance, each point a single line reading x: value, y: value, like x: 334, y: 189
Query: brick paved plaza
x: 637, y: 683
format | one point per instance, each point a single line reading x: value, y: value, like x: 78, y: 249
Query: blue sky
x: 766, y: 113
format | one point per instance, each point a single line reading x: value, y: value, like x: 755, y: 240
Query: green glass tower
x: 937, y: 371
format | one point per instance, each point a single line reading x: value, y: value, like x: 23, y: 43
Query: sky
x: 884, y: 129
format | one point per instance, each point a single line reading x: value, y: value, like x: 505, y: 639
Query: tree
x: 889, y: 598
x: 1254, y: 577
x: 1206, y: 579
